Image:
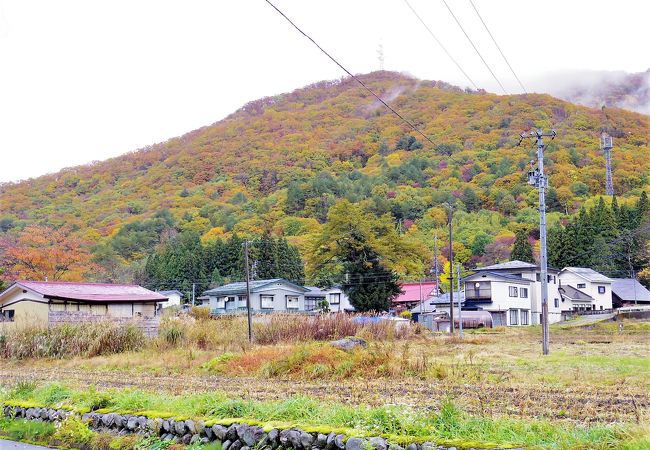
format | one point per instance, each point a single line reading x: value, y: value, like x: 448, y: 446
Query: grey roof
x: 255, y: 285
x: 575, y: 294
x: 588, y: 274
x: 629, y: 290
x: 430, y: 304
x: 505, y: 276
x: 510, y: 265
x: 173, y: 291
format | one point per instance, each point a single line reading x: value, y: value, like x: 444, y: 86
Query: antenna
x: 606, y: 144
x: 380, y: 55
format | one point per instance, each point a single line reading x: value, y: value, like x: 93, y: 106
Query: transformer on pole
x: 606, y: 144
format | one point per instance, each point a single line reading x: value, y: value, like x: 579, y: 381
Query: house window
x: 7, y: 315
x: 514, y: 315
x: 601, y: 289
x: 601, y: 307
x: 266, y: 301
x: 242, y: 301
x: 293, y: 302
x: 513, y: 291
x: 524, y: 317
x: 310, y: 303
x: 557, y: 303
x: 335, y: 299
x: 581, y: 285
x: 220, y: 303
x: 523, y: 293
x: 538, y: 277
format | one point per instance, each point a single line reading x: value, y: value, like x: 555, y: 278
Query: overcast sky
x: 87, y: 80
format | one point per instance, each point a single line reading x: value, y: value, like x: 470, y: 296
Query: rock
x: 330, y: 441
x: 451, y: 448
x: 252, y: 435
x: 339, y: 441
x: 191, y: 426
x: 108, y: 419
x: 200, y: 426
x: 132, y: 423
x: 186, y: 438
x: 355, y: 443
x: 205, y: 440
x: 43, y: 414
x: 231, y: 434
x: 179, y: 428
x: 226, y: 445
x: 273, y: 438
x: 119, y: 421
x: 208, y: 433
x: 143, y: 422
x: 195, y: 439
x: 294, y: 439
x: 378, y: 443
x: 166, y: 426
x: 237, y: 445
x: 321, y: 441
x: 157, y: 425
x: 219, y: 432
x: 412, y: 447
x: 245, y: 447
x: 306, y: 440
x: 395, y: 447
x: 429, y: 446
x: 284, y: 438
x: 349, y: 343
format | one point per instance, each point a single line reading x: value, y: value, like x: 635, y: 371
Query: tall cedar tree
x: 522, y: 250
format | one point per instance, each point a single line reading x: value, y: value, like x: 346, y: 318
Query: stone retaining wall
x: 233, y: 437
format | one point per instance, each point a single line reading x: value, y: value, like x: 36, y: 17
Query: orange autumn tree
x: 43, y: 252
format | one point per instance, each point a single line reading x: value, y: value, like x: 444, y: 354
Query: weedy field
x: 596, y: 382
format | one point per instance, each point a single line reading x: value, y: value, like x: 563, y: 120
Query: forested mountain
x: 279, y: 164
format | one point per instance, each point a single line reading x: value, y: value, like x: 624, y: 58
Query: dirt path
x: 583, y: 404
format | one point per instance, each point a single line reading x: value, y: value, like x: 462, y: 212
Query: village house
x: 266, y: 296
x: 44, y: 303
x: 585, y: 289
x: 334, y: 296
x: 413, y: 293
x: 629, y: 292
x: 511, y: 292
x: 174, y: 298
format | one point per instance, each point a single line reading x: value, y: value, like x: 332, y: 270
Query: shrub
x: 73, y: 432
x: 200, y: 313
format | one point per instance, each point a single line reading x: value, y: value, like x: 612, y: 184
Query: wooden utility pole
x: 248, y: 294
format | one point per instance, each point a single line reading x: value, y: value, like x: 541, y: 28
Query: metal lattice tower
x: 380, y: 56
x: 607, y: 143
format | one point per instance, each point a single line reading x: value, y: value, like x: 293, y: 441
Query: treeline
x: 611, y: 239
x: 183, y: 261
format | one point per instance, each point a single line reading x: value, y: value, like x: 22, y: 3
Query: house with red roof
x: 413, y: 293
x: 44, y: 303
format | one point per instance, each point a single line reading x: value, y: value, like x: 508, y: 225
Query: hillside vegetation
x: 278, y: 164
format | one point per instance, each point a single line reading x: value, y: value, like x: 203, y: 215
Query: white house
x: 512, y: 293
x: 266, y: 296
x: 334, y: 296
x: 586, y: 289
x: 174, y: 297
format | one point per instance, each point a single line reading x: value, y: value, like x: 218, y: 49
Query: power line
x: 498, y: 47
x: 440, y: 44
x: 474, y: 46
x: 351, y: 75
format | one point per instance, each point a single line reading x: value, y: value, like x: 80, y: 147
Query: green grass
x: 401, y: 424
x: 26, y: 430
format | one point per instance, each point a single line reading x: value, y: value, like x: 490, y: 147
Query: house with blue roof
x: 272, y: 295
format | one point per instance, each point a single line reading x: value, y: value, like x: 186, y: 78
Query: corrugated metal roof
x: 411, y: 291
x: 516, y: 264
x: 629, y: 290
x: 505, y: 276
x: 575, y: 294
x: 240, y: 287
x: 92, y: 292
x: 588, y: 274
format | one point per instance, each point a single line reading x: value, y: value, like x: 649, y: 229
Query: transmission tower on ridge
x: 607, y: 143
x: 380, y: 56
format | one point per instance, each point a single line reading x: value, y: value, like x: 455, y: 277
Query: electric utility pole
x: 248, y: 294
x: 435, y: 264
x: 450, y: 215
x: 460, y: 307
x: 537, y: 178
